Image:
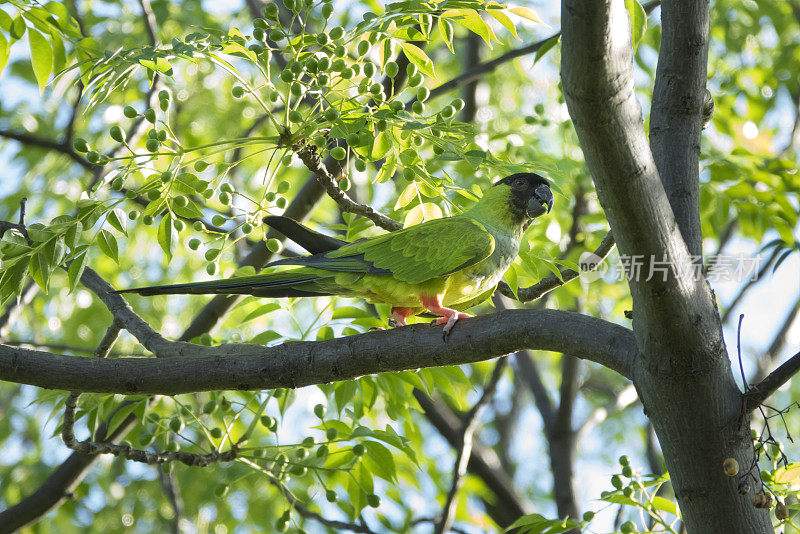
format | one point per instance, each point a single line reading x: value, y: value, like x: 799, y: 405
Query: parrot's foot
x: 448, y: 317
x: 398, y: 316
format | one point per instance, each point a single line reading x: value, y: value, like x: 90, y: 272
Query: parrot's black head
x: 530, y: 194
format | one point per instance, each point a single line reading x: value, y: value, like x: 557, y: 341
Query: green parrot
x: 440, y: 266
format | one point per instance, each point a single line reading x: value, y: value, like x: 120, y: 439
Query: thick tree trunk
x: 682, y: 373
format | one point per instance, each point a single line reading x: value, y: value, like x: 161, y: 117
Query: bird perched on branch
x: 440, y: 266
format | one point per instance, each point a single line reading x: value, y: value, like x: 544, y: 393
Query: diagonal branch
x: 551, y: 282
x: 296, y: 364
x: 777, y: 378
x: 465, y: 448
x: 36, y: 141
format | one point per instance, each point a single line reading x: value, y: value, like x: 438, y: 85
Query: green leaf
x: 40, y: 270
x: 262, y: 310
x: 638, y: 20
x: 18, y: 28
x: 471, y: 20
x: 117, y: 220
x: 121, y: 413
x: 265, y: 337
x: 503, y: 19
x: 4, y: 48
x: 381, y: 146
x: 380, y: 461
x: 546, y: 47
x: 167, y: 236
x: 41, y: 57
x: 76, y: 268
x: 526, y: 13
x: 408, y: 194
x: 446, y: 30
x: 108, y: 244
x: 665, y: 505
x: 12, y: 278
x: 419, y: 58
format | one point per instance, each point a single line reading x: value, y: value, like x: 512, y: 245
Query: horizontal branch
x: 297, y: 364
x: 777, y: 378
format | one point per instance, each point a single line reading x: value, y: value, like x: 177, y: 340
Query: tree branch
x: 63, y: 148
x: 777, y: 378
x: 597, y: 77
x: 297, y: 364
x: 508, y: 505
x: 307, y: 153
x: 465, y: 448
x: 551, y: 282
x: 676, y: 117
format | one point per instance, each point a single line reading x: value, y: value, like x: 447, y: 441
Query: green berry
x: 116, y: 133
x: 415, y: 80
x: 130, y: 112
x: 273, y: 245
x: 200, y: 165
x: 147, y: 220
x: 212, y: 254
x: 418, y: 107
x: 92, y: 156
x: 181, y: 201
x: 301, y: 454
x: 331, y: 434
x: 247, y: 228
x: 395, y: 105
x: 627, y: 527
x: 270, y: 11
x: 194, y: 243
x: 369, y: 69
x: 458, y: 104
x: 275, y: 35
x: 359, y: 449
x: 411, y: 70
x: 331, y: 114
x: 616, y: 481
x: 116, y: 183
x: 373, y: 500
x: 330, y: 495
x: 295, y: 116
x: 80, y: 145
x: 152, y: 145
x: 283, y: 187
x: 218, y: 220
x: 166, y: 177
x: 327, y: 10
x: 391, y: 69
x: 164, y: 95
x: 224, y: 198
x: 627, y: 471
x: 179, y: 225
x: 363, y: 48
x: 588, y: 516
x: 360, y: 165
x: 216, y: 432
x: 133, y: 215
x: 153, y: 194
x: 623, y: 460
x: 176, y: 424
x: 198, y: 226
x: 381, y: 125
x: 163, y: 104
x: 211, y: 269
x: 322, y: 451
x: 336, y: 33
x: 338, y: 153
x: 323, y: 39
x: 319, y: 410
x: 150, y: 116
x: 221, y: 490
x: 423, y: 93
x: 344, y: 183
x: 448, y: 112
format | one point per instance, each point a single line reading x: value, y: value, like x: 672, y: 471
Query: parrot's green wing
x: 434, y: 248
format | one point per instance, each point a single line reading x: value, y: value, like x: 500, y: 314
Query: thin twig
x: 551, y: 282
x: 173, y: 493
x: 309, y: 156
x: 464, y: 451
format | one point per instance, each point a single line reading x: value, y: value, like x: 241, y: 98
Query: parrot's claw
x: 449, y: 322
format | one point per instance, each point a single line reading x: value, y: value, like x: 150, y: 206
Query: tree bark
x: 682, y: 373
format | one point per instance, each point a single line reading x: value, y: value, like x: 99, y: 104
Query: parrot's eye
x: 520, y: 183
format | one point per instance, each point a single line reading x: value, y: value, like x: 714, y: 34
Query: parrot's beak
x: 541, y: 201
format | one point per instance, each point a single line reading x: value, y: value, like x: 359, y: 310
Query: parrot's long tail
x: 288, y: 284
